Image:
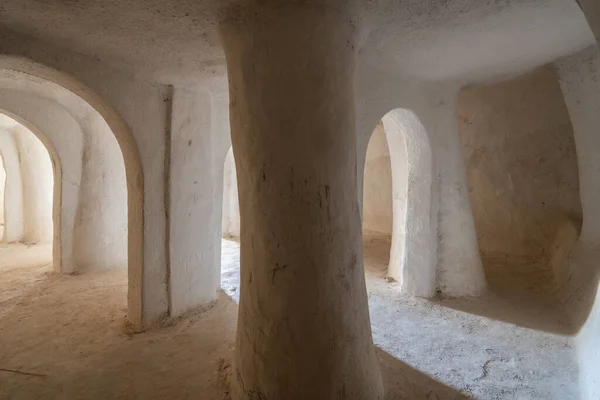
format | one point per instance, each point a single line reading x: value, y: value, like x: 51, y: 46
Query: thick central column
x: 303, y: 327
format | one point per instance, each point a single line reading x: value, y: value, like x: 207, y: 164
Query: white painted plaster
x: 231, y: 206
x: 459, y: 270
x: 93, y: 221
x: 13, y: 200
x: 413, y: 250
x: 196, y: 181
x: 407, y: 167
x: 453, y: 243
x: 101, y: 230
x: 580, y: 82
x: 37, y: 178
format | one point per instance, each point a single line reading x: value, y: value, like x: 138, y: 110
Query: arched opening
x: 397, y: 204
x: 29, y: 172
x: 230, y: 248
x: 378, y: 201
x: 32, y: 198
x: 100, y: 192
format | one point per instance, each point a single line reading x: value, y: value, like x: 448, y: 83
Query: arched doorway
x: 33, y: 189
x: 399, y: 155
x: 28, y: 248
x: 92, y: 114
x: 230, y: 247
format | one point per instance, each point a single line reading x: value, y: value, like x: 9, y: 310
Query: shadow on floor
x: 403, y: 382
x: 513, y: 297
x: 521, y: 310
x: 520, y: 293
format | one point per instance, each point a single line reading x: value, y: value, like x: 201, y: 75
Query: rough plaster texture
x: 431, y: 40
x: 522, y: 165
x: 407, y: 168
x: 413, y: 250
x: 196, y: 176
x: 459, y: 269
x: 377, y: 191
x: 297, y: 193
x: 13, y: 192
x: 400, y: 45
x: 231, y: 204
x: 580, y: 82
x: 37, y: 177
x: 101, y: 230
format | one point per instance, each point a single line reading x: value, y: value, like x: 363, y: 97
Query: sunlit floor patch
x: 480, y: 357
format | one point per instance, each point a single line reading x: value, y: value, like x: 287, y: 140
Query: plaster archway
x: 413, y: 252
x: 458, y: 269
x: 57, y: 259
x: 61, y: 87
x: 63, y: 134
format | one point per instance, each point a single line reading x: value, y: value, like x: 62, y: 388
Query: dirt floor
x: 64, y: 338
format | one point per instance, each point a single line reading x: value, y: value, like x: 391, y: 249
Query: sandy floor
x: 68, y: 332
